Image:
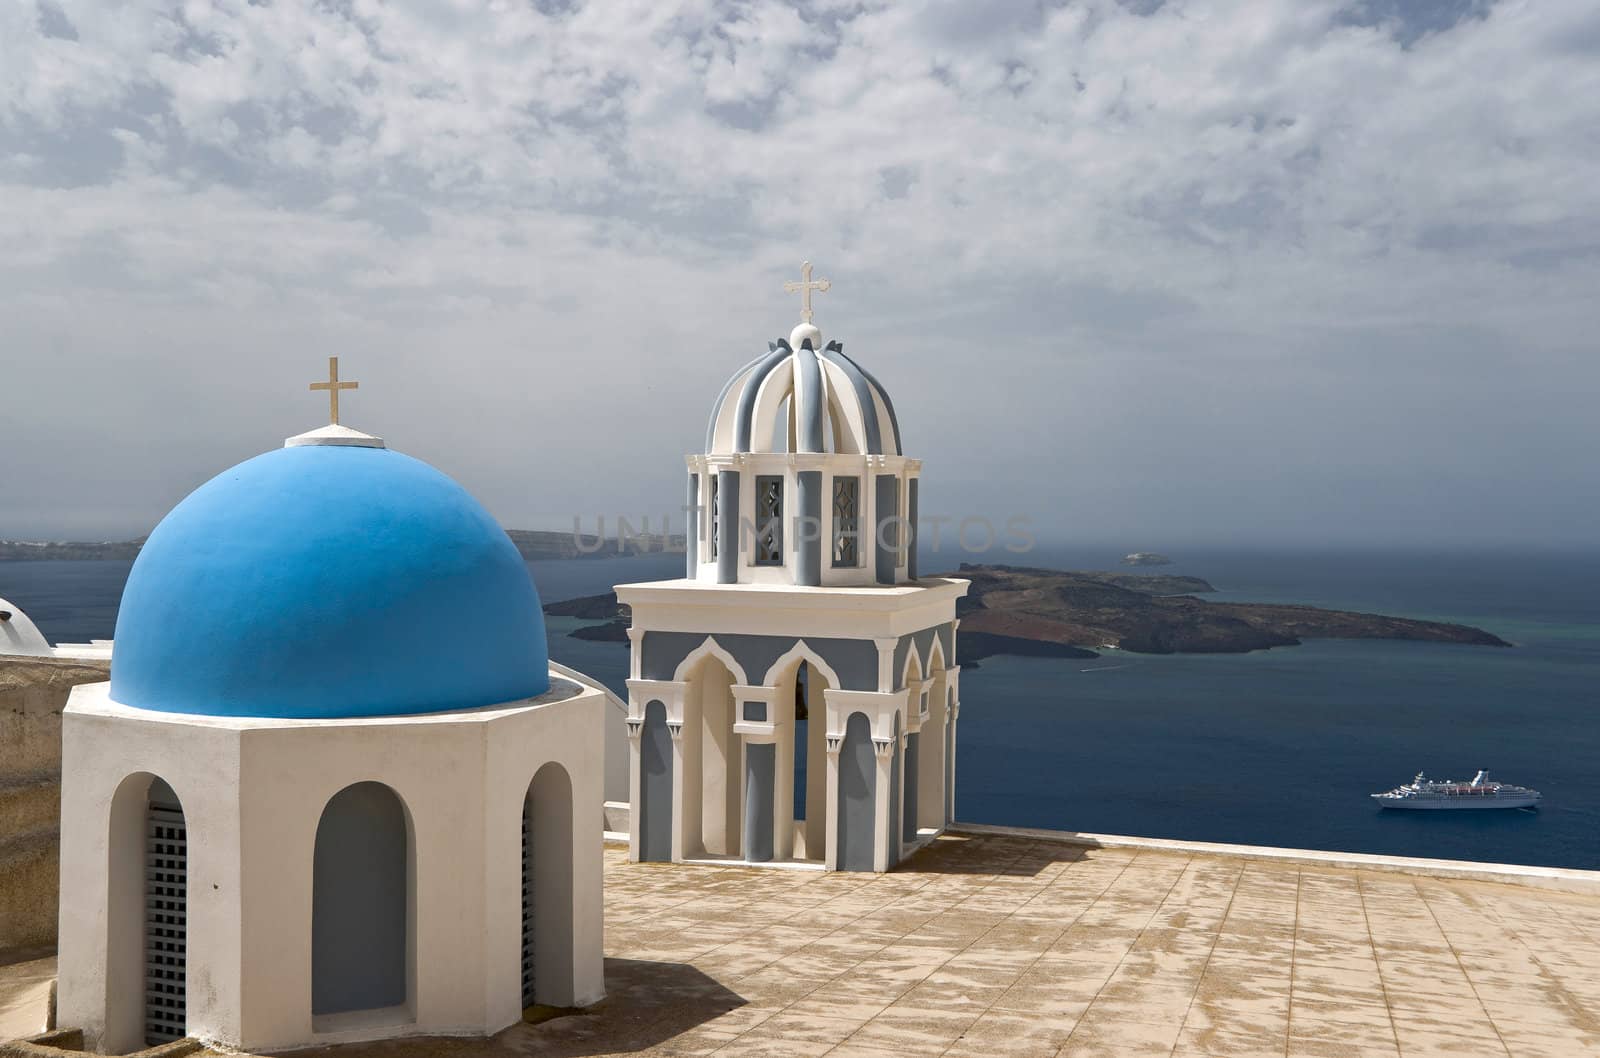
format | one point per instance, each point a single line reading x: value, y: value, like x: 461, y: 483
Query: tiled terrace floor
x: 1000, y: 946
x: 1006, y: 946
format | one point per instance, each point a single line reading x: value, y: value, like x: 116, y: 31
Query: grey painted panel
x: 808, y: 380
x: 655, y: 786
x: 809, y: 528
x: 886, y: 536
x: 358, y: 902
x: 744, y: 414
x: 756, y: 711
x: 911, y: 528
x: 834, y: 353
x: 760, y: 769
x: 722, y: 396
x: 727, y: 526
x: 913, y: 763
x: 858, y: 807
x: 855, y: 661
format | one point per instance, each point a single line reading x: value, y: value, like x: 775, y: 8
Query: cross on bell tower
x: 804, y: 286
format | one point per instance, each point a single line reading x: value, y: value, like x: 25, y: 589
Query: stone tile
x: 1231, y: 1043
x: 808, y: 1027
x: 1008, y: 1033
x: 1097, y: 1036
x: 1430, y: 1042
x: 914, y: 1030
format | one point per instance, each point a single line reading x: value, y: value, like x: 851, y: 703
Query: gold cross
x: 804, y: 288
x: 333, y: 386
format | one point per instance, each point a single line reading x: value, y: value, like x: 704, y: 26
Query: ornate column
x: 830, y: 858
x: 635, y: 771
x: 911, y: 761
x: 766, y: 833
x: 727, y: 526
x: 635, y: 653
x: 884, y: 750
x: 680, y: 821
x: 950, y: 763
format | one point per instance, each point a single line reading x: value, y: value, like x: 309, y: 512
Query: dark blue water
x: 1277, y: 748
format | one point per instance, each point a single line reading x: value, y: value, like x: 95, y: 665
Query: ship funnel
x: 1477, y: 780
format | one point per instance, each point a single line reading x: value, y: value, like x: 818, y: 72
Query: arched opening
x: 858, y: 784
x: 146, y: 956
x: 361, y: 901
x: 655, y: 786
x: 802, y: 715
x: 930, y: 747
x: 147, y: 920
x: 547, y: 907
x: 713, y: 768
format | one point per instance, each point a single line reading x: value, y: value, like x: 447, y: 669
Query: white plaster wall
x: 253, y: 792
x: 201, y: 765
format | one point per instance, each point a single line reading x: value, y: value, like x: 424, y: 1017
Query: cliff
x: 1137, y: 613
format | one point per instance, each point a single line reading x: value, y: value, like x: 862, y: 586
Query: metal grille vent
x: 711, y: 505
x: 527, y: 905
x: 769, y: 520
x: 166, y: 926
x: 846, y: 520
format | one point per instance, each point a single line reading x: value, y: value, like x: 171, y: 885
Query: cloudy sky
x: 1266, y: 270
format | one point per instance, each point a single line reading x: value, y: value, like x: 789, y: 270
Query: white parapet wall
x: 1558, y: 878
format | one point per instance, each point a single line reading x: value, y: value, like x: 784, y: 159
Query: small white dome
x: 804, y: 333
x: 18, y: 635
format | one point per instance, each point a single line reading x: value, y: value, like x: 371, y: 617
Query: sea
x: 1278, y: 747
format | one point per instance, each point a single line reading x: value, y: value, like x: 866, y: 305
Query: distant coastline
x: 533, y: 544
x: 1025, y: 612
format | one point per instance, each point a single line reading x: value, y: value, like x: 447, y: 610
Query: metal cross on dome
x: 333, y: 386
x: 804, y: 287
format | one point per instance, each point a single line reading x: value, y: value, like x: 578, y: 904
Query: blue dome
x: 328, y: 581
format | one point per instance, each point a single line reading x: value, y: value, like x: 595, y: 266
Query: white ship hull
x: 1448, y: 804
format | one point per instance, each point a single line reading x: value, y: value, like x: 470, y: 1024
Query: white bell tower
x: 800, y: 650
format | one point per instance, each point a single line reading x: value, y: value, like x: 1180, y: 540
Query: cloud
x: 1199, y: 247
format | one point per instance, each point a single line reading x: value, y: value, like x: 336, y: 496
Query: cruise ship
x: 1425, y: 793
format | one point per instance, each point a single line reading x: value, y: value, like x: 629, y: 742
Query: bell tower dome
x: 803, y: 480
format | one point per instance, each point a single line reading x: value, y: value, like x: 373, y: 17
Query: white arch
x: 913, y: 663
x: 937, y: 651
x: 710, y: 648
x: 775, y: 389
x: 845, y: 410
x: 804, y: 652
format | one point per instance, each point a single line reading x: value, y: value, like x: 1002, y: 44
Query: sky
x: 1267, y: 271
